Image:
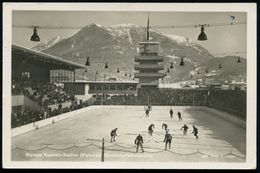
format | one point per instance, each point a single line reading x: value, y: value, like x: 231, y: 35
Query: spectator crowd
x: 41, y: 92
x: 46, y: 94
x: 232, y: 101
x: 166, y: 96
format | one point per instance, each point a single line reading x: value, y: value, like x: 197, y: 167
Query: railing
x: 105, y: 147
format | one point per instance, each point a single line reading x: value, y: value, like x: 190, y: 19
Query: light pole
x: 103, y: 150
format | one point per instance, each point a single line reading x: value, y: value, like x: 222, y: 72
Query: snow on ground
x: 179, y: 39
x: 79, y: 138
x: 174, y: 57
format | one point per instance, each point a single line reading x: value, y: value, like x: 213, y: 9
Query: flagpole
x: 147, y: 38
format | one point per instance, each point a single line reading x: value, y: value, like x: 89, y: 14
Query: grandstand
x: 34, y: 97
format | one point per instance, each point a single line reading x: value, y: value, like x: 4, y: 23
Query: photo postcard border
x: 250, y: 8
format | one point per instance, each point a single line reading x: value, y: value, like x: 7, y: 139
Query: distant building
x: 84, y: 90
x: 237, y: 86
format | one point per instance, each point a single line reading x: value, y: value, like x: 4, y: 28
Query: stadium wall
x: 33, y: 126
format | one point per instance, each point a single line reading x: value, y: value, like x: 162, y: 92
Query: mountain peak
x: 92, y: 25
x: 126, y: 25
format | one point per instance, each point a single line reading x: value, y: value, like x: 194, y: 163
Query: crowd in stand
x: 121, y: 100
x: 44, y: 94
x: 232, y: 101
x: 157, y: 97
x: 171, y: 96
x: 41, y: 92
x: 20, y: 118
x: 26, y: 116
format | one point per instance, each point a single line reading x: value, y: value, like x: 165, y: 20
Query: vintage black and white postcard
x: 129, y: 85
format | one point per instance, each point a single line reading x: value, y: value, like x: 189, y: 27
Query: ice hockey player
x: 150, y: 129
x: 171, y: 112
x: 167, y: 140
x: 185, y: 129
x: 149, y: 106
x: 139, y: 142
x: 179, y: 116
x: 147, y: 113
x: 164, y: 126
x: 113, y: 135
x: 195, y: 131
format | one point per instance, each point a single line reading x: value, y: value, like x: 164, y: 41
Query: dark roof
x: 47, y: 57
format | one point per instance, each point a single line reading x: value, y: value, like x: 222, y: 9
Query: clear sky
x: 224, y: 39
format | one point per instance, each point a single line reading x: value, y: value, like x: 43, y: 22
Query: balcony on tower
x: 151, y: 75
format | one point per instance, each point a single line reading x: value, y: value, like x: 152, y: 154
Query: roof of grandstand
x: 46, y: 57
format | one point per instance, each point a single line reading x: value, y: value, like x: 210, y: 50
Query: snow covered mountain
x: 118, y: 45
x: 47, y: 43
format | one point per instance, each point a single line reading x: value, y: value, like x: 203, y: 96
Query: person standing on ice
x: 171, y: 112
x: 167, y: 140
x: 185, y: 129
x: 150, y: 129
x: 139, y: 142
x: 149, y: 106
x: 113, y: 135
x: 147, y: 113
x: 195, y: 132
x: 179, y: 116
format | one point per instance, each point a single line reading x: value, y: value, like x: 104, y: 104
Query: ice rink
x: 79, y: 138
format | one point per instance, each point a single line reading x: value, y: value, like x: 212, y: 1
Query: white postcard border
x: 250, y: 8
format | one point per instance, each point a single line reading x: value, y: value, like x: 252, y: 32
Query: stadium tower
x: 148, y: 63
